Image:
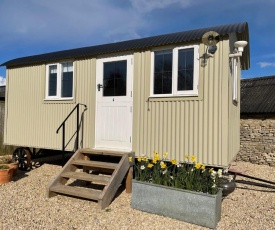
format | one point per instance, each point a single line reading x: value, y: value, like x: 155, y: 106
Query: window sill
x: 59, y: 100
x: 175, y: 98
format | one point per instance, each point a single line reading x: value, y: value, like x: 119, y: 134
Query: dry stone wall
x: 257, y: 140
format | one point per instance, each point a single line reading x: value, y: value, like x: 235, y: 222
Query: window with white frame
x: 175, y: 72
x: 59, y: 81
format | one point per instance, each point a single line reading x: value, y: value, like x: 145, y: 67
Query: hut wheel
x: 23, y: 156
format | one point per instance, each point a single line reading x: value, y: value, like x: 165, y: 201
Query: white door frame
x: 109, y: 134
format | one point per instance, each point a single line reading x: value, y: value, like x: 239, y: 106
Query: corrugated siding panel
x: 195, y: 127
x: 33, y: 122
x: 86, y: 94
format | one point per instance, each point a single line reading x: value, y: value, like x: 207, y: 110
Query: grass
x: 6, y: 150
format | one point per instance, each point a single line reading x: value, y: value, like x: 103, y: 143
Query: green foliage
x: 6, y: 150
x: 188, y: 175
x: 4, y: 167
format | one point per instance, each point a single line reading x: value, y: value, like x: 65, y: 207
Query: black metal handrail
x: 77, y: 128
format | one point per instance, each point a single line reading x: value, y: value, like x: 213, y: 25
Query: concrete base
x: 193, y: 207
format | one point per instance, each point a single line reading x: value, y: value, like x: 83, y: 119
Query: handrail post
x: 63, y: 141
x: 77, y: 124
x: 77, y: 128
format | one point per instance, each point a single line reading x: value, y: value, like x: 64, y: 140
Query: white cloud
x: 266, y: 64
x: 68, y: 21
x: 2, y: 81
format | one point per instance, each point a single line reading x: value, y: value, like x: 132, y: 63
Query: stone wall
x: 257, y: 140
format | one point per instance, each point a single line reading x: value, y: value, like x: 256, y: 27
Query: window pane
x: 185, y: 80
x: 67, y: 80
x: 52, y: 80
x: 115, y: 78
x: 163, y: 72
x: 185, y: 69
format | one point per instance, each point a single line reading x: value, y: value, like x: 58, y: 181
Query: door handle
x: 99, y: 86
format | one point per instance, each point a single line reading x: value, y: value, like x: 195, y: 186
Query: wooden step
x: 97, y: 179
x: 114, y: 163
x: 103, y: 152
x: 91, y: 194
x: 95, y: 164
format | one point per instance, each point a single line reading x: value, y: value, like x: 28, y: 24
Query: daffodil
x: 145, y: 159
x: 211, y: 170
x: 150, y: 166
x: 193, y: 158
x: 165, y: 155
x: 198, y: 165
x: 203, y: 167
x: 174, y: 162
x: 186, y: 156
x: 130, y: 159
x: 154, y: 161
x: 219, y: 173
x: 139, y: 159
x: 156, y: 157
x: 142, y: 167
x: 163, y: 166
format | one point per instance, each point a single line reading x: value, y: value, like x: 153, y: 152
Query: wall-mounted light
x: 210, y: 39
x: 239, y: 47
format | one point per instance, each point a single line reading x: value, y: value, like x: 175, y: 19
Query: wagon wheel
x: 23, y: 156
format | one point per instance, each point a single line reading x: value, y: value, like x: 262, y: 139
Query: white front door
x: 114, y: 103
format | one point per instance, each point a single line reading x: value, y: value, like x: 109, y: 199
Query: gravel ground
x: 23, y: 205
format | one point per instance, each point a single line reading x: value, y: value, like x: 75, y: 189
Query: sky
x: 32, y: 27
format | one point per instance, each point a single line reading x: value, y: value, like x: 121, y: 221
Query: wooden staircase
x: 92, y: 174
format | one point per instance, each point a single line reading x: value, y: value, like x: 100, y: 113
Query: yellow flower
x: 211, y: 170
x: 165, y: 155
x: 193, y: 158
x: 186, y: 156
x: 163, y: 166
x: 144, y: 159
x: 130, y: 159
x: 156, y: 157
x: 198, y: 165
x: 154, y: 161
x: 150, y: 166
x: 155, y: 152
x: 174, y: 161
x: 139, y: 159
x: 202, y: 167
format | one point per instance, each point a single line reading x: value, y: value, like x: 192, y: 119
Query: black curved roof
x: 258, y: 95
x: 241, y: 29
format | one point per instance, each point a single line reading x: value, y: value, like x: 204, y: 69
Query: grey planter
x: 193, y: 207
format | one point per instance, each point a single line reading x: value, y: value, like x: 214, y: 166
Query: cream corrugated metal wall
x: 205, y: 126
x: 196, y: 126
x: 31, y: 121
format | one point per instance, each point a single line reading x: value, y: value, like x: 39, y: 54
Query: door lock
x: 99, y: 86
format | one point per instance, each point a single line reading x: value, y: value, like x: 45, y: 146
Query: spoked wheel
x: 23, y: 156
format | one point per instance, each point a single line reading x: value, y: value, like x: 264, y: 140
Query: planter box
x: 193, y: 207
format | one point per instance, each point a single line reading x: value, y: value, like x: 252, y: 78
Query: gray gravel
x: 23, y: 206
